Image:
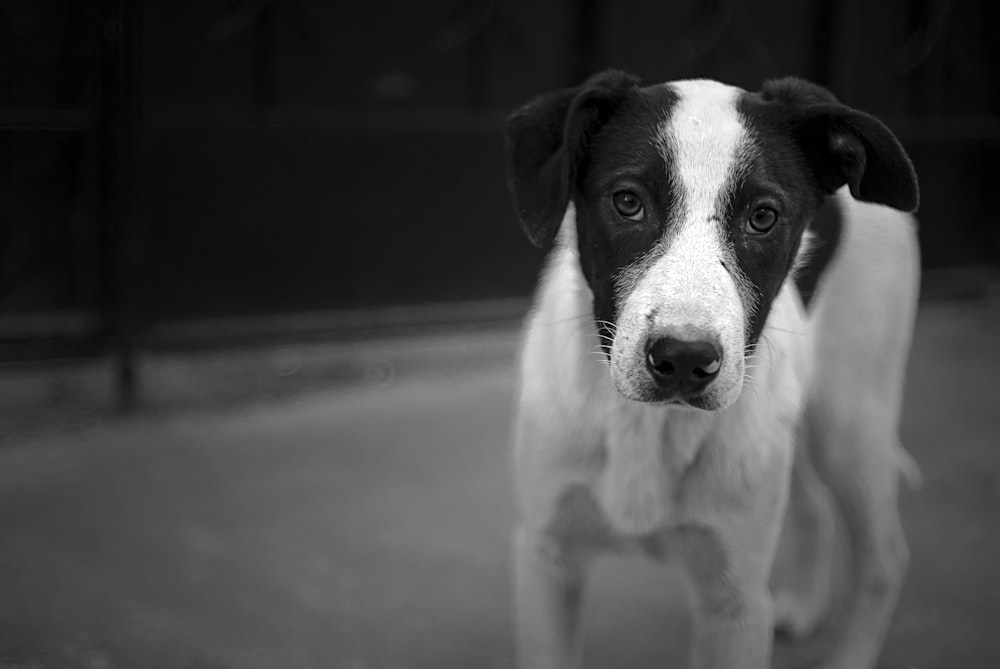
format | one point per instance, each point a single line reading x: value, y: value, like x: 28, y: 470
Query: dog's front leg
x: 728, y: 563
x: 548, y: 592
x: 732, y: 627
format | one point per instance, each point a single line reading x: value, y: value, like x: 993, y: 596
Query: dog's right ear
x: 545, y: 140
x: 846, y: 146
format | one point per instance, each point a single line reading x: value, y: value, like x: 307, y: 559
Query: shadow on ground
x: 363, y: 524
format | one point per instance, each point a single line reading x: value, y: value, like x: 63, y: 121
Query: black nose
x: 681, y: 365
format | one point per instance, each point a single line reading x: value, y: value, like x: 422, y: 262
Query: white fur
x: 705, y: 136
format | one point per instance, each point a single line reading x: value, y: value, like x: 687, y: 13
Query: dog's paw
x: 909, y: 469
x: 795, y: 617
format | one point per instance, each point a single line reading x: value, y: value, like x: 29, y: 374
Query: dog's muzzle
x: 683, y: 364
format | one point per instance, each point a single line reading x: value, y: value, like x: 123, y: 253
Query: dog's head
x: 691, y: 200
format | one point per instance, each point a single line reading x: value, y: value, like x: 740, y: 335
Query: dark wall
x: 300, y: 155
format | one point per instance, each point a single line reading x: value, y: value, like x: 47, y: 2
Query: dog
x: 713, y: 365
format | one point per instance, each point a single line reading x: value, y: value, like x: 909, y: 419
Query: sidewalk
x: 351, y: 510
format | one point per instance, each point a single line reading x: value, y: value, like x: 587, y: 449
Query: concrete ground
x: 357, y: 517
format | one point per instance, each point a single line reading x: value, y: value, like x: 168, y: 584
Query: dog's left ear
x: 846, y: 146
x: 546, y: 140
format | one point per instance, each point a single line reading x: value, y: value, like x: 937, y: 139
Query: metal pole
x: 121, y: 34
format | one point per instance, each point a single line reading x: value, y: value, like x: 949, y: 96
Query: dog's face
x: 691, y: 200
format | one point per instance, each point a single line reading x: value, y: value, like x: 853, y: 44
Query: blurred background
x: 260, y: 285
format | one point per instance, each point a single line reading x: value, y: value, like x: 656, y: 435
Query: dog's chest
x: 661, y: 475
x: 665, y: 468
x: 649, y: 455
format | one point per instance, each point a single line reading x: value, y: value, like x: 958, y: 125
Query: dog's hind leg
x: 801, y: 579
x: 860, y: 463
x: 862, y: 324
x: 548, y: 590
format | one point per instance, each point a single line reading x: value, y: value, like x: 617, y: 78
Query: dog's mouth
x: 705, y: 401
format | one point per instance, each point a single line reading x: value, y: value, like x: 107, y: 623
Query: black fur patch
x: 816, y: 144
x: 546, y: 140
x: 623, y: 155
x: 778, y: 177
x: 843, y: 145
x: 826, y: 227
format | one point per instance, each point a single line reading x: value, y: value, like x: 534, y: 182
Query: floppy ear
x: 545, y: 141
x: 846, y: 146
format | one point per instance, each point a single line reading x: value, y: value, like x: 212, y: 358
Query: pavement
x: 349, y: 506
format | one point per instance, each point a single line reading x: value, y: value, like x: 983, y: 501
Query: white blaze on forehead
x: 690, y: 281
x: 704, y: 138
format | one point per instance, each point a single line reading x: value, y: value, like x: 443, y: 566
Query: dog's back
x: 864, y: 307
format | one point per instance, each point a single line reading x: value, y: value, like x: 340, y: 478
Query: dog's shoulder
x: 883, y: 237
x: 819, y: 245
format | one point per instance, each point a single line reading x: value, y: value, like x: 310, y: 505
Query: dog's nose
x: 682, y: 365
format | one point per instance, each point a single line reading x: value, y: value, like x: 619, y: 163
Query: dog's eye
x: 628, y: 205
x: 761, y: 220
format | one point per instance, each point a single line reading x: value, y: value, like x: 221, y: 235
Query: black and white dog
x: 715, y: 358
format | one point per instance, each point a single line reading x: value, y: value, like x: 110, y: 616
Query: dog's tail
x: 909, y: 469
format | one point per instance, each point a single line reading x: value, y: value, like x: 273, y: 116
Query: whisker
x: 572, y: 318
x: 770, y: 346
x: 794, y: 332
x: 599, y: 354
x: 610, y: 327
